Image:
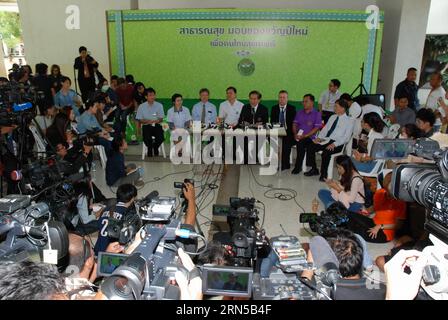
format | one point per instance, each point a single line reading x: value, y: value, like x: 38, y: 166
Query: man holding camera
x: 86, y: 66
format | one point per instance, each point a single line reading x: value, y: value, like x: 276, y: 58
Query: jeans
x: 364, y: 166
x: 327, y: 200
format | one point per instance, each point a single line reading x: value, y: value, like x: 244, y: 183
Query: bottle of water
x: 315, y: 205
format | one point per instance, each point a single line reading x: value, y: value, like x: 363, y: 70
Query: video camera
x: 30, y: 232
x: 328, y: 221
x: 427, y: 184
x: 246, y: 238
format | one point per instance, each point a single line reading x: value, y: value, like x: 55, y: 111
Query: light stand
x: 361, y: 86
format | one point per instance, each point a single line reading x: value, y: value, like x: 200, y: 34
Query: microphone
x: 22, y: 107
x: 325, y: 260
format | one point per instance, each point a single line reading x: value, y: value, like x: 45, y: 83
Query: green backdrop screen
x: 185, y: 55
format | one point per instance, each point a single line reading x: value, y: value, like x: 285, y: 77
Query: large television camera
x: 29, y: 232
x: 328, y: 221
x: 246, y: 237
x: 149, y: 273
x: 427, y: 184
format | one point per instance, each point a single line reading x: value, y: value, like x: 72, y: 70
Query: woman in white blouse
x: 349, y: 190
x: 374, y: 125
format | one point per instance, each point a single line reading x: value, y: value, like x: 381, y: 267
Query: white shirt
x: 230, y: 113
x: 432, y: 102
x: 368, y: 108
x: 373, y: 135
x: 328, y: 100
x: 343, y: 131
x: 355, y: 110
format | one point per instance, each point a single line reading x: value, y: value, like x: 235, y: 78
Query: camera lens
x: 420, y: 183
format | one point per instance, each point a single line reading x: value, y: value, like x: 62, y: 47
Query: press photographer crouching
x: 339, y: 260
x: 162, y: 245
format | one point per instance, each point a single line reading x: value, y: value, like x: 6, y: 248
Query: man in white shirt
x: 433, y: 100
x: 355, y: 112
x: 328, y: 99
x: 230, y: 110
x: 332, y: 138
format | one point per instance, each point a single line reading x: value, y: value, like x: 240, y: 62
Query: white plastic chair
x: 376, y: 171
x: 394, y: 131
x: 103, y: 156
x: 40, y: 142
x: 161, y: 150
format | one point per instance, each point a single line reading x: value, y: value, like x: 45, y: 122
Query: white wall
x: 47, y: 39
x: 438, y: 17
x: 403, y: 41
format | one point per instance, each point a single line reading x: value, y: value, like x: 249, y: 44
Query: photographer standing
x: 86, y: 66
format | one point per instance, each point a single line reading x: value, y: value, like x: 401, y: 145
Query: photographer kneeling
x: 344, y: 251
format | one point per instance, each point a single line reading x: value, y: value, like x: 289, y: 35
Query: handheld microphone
x: 16, y: 175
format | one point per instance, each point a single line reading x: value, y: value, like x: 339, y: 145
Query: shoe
x: 312, y: 172
x: 139, y: 183
x: 322, y: 179
x: 296, y: 171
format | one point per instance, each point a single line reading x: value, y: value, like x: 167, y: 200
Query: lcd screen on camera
x: 391, y: 148
x: 227, y: 281
x: 108, y: 262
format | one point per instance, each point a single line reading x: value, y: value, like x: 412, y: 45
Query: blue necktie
x: 333, y: 127
x: 282, y: 117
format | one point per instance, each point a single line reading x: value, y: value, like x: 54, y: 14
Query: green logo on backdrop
x: 246, y: 67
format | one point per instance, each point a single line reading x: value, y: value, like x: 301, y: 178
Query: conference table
x: 272, y: 135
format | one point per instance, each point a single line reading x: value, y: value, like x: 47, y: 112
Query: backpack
x: 368, y: 194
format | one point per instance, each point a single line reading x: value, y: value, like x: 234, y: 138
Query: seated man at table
x: 305, y: 127
x: 204, y: 111
x: 331, y: 139
x: 283, y: 113
x: 149, y: 115
x: 253, y: 114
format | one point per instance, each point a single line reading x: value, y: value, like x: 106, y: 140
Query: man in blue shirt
x: 126, y: 195
x: 88, y: 122
x: 149, y: 115
x: 204, y: 111
x: 66, y: 97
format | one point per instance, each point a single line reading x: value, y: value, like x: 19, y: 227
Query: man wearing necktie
x: 204, y: 111
x: 332, y: 138
x: 253, y: 114
x: 284, y: 113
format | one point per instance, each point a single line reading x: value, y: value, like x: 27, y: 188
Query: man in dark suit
x: 86, y: 66
x: 253, y: 114
x: 283, y: 113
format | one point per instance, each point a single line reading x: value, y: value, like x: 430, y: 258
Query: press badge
x: 50, y: 256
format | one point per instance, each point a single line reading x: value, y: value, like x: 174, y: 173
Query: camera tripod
x: 360, y: 86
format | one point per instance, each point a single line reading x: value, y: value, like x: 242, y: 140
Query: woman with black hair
x: 410, y: 131
x: 349, y: 190
x: 57, y: 132
x: 86, y: 221
x: 56, y: 79
x: 117, y: 173
x: 374, y: 125
x: 139, y: 94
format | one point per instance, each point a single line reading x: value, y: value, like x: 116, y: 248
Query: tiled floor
x: 279, y: 214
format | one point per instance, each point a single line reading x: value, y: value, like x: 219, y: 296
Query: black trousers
x: 326, y: 156
x: 302, y: 146
x: 153, y: 138
x: 87, y: 86
x: 360, y: 224
x: 326, y: 115
x: 287, y: 144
